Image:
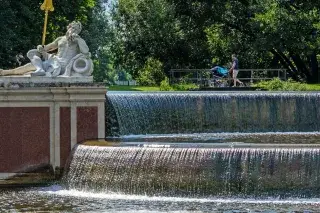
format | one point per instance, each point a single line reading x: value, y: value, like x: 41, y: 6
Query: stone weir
x: 211, y: 112
x: 197, y: 170
x: 42, y: 119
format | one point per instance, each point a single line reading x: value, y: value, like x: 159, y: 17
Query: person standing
x: 235, y: 70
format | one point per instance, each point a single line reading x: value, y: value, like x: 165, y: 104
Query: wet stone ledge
x: 39, y: 176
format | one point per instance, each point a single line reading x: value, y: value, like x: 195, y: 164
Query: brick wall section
x: 65, y: 136
x: 87, y: 123
x: 24, y: 138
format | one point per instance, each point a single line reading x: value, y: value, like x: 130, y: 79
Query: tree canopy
x: 21, y: 24
x: 198, y: 33
x: 139, y: 36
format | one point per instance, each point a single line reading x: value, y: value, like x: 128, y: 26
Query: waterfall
x: 275, y: 152
x: 195, y: 172
x: 204, y: 112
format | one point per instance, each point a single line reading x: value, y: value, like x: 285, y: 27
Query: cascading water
x: 170, y: 170
x: 191, y: 152
x: 170, y: 113
x: 194, y: 163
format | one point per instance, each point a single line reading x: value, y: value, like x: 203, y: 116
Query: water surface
x: 55, y: 199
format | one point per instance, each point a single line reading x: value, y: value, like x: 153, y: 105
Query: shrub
x: 184, y: 87
x: 165, y: 85
x: 151, y: 74
x: 277, y: 84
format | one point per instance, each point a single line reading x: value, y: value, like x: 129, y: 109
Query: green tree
x: 21, y: 26
x: 269, y: 34
x: 145, y: 28
x: 291, y: 28
x: 22, y: 22
x: 171, y: 31
x: 151, y: 74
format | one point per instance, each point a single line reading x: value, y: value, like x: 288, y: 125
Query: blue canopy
x: 220, y: 70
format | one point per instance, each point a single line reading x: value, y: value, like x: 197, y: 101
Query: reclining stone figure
x: 72, y: 57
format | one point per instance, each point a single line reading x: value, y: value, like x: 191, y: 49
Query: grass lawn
x: 308, y: 87
x: 313, y: 87
x: 132, y: 88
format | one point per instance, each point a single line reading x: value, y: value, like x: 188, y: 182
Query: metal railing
x: 201, y: 76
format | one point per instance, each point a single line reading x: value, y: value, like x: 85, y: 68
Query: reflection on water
x: 55, y: 199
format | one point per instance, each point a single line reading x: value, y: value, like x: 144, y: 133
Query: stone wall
x: 40, y: 126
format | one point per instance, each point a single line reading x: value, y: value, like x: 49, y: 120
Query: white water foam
x: 218, y: 135
x: 116, y: 196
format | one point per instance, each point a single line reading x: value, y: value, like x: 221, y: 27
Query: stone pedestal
x: 44, y: 80
x: 39, y: 126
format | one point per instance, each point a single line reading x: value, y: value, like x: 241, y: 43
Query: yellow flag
x: 47, y: 5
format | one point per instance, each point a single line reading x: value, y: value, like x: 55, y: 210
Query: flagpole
x: 46, y: 6
x: 45, y: 28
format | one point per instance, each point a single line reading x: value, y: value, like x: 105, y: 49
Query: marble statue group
x: 72, y: 57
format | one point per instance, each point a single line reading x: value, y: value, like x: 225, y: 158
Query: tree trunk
x: 314, y: 68
x: 286, y: 63
x: 301, y: 66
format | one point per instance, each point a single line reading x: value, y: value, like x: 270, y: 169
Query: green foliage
x: 22, y: 21
x: 165, y: 85
x: 278, y: 85
x: 170, y: 30
x: 131, y: 88
x: 151, y: 74
x: 313, y: 87
x: 184, y: 87
x: 178, y: 33
x: 143, y: 29
x: 269, y: 34
x: 21, y: 25
x: 97, y: 34
x: 192, y: 34
x: 96, y: 31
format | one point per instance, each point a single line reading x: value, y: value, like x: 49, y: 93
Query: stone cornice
x: 53, y: 94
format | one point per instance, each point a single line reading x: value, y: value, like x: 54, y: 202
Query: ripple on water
x: 58, y: 200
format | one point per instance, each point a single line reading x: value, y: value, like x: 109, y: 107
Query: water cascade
x: 205, y: 168
x: 176, y: 171
x: 170, y: 113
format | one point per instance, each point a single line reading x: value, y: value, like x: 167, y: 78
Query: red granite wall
x: 65, y: 134
x: 87, y: 123
x: 24, y: 138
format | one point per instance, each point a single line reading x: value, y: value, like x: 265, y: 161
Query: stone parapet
x: 45, y: 80
x: 53, y: 94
